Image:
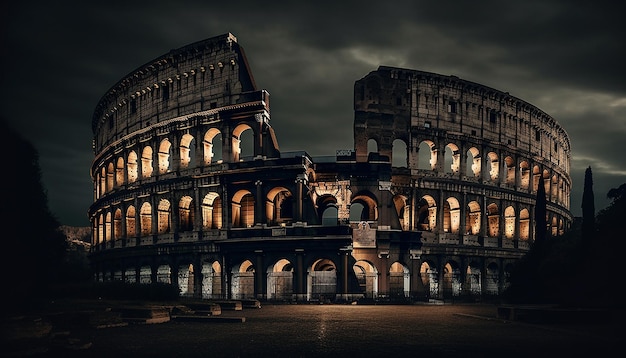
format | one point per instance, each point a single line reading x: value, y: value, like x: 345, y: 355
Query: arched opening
x: 279, y: 206
x: 372, y: 146
x: 107, y: 227
x: 165, y: 152
x: 524, y: 224
x: 186, y: 213
x: 367, y: 276
x: 243, y: 209
x: 368, y: 207
x: 280, y: 281
x: 187, y: 151
x: 146, y: 162
x: 212, y: 145
x: 494, y: 166
x: 146, y: 219
x: 510, y: 170
x: 322, y: 280
x: 164, y: 274
x: 492, y: 279
x: 211, y: 280
x: 509, y: 222
x: 402, y: 209
x: 211, y: 211
x: 473, y: 162
x: 186, y: 280
x: 430, y: 279
x: 399, y: 281
x: 243, y: 281
x: 117, y: 224
x: 119, y: 172
x: 427, y: 214
x: 493, y: 217
x: 452, y: 283
x: 472, y: 218
x: 524, y: 168
x: 110, y: 177
x: 451, y: 215
x: 399, y: 154
x: 327, y: 210
x: 427, y: 155
x: 242, y: 143
x: 163, y: 217
x: 145, y: 275
x: 473, y: 279
x: 131, y: 222
x: 452, y: 159
x: 132, y: 167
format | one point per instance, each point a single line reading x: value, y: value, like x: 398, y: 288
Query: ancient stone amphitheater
x: 435, y: 201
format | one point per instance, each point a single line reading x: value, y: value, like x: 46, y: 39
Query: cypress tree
x: 588, y: 209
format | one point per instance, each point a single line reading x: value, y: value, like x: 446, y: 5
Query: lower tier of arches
x: 318, y: 270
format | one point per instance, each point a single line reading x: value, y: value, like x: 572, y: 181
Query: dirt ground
x: 311, y: 330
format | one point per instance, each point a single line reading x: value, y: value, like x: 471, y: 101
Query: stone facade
x: 436, y: 200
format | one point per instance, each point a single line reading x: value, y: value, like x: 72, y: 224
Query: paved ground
x: 332, y: 331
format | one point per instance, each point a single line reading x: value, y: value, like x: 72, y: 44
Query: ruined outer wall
x: 483, y: 146
x: 204, y: 75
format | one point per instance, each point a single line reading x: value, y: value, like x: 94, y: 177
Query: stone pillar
x: 260, y: 277
x: 259, y: 214
x: 300, y: 276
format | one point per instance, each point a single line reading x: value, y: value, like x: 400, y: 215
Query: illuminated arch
x: 322, y: 280
x: 241, y: 142
x: 472, y: 218
x: 131, y: 222
x: 509, y: 222
x: 279, y: 206
x: 524, y: 169
x: 427, y: 213
x: 369, y: 210
x: 399, y: 280
x: 493, y: 217
x: 211, y: 280
x: 473, y: 162
x: 493, y: 165
x: 243, y: 209
x: 163, y: 216
x: 119, y: 172
x: 212, y: 145
x: 165, y: 151
x: 427, y: 155
x: 146, y: 162
x: 186, y: 213
x: 452, y: 159
x: 367, y: 276
x: 187, y: 153
x: 399, y: 154
x: 131, y: 166
x: 402, y: 209
x: 145, y: 215
x: 211, y: 211
x: 451, y: 215
x: 243, y: 280
x: 280, y: 280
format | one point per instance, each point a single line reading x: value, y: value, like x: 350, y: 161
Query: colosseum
x: 434, y: 202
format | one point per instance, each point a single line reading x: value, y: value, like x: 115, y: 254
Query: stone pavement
x: 463, y: 330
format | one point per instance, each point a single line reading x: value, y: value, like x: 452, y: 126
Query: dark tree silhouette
x: 589, y: 212
x: 540, y: 215
x: 33, y: 247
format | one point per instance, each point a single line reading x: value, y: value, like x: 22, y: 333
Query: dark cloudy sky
x: 565, y: 57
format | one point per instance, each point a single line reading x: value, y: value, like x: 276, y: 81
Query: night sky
x: 565, y: 57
